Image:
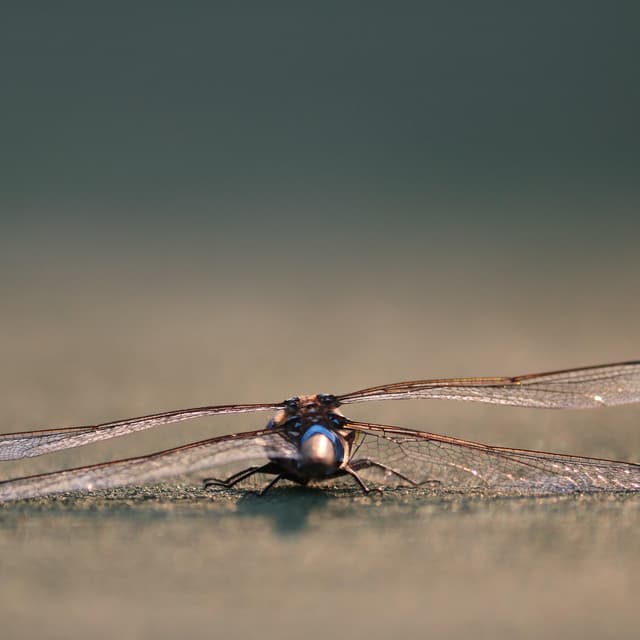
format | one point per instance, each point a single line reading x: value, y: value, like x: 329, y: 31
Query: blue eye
x: 318, y: 429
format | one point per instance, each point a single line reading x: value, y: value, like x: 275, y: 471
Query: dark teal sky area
x: 136, y: 104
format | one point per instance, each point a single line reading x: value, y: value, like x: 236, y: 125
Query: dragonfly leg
x: 271, y: 483
x: 358, y: 479
x: 366, y: 463
x: 239, y: 476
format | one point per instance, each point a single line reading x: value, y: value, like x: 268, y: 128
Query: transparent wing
x: 27, y: 444
x: 584, y: 388
x: 198, y: 456
x: 461, y: 464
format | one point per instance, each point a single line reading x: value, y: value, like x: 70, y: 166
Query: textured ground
x: 167, y: 561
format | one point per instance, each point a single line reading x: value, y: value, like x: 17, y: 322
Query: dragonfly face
x: 315, y: 425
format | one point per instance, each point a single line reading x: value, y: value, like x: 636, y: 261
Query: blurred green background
x: 217, y: 202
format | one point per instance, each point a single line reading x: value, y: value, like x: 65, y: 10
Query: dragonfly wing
x: 584, y: 388
x: 198, y: 456
x: 27, y: 444
x: 461, y: 464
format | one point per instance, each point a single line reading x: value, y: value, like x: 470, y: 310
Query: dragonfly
x: 310, y: 441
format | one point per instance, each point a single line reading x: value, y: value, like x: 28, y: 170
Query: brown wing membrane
x: 457, y: 464
x: 27, y: 444
x: 584, y: 388
x: 198, y: 456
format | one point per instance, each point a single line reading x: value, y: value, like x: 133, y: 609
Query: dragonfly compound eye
x: 292, y: 405
x: 328, y: 399
x: 320, y: 450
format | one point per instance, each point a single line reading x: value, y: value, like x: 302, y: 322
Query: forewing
x: 27, y: 444
x: 584, y: 388
x: 454, y: 464
x: 259, y: 446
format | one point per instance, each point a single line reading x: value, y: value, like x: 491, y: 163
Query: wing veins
x: 26, y: 444
x: 539, y: 461
x: 153, y: 467
x: 536, y: 390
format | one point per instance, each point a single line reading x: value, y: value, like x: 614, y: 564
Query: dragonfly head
x: 318, y: 402
x: 321, y: 451
x: 301, y: 412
